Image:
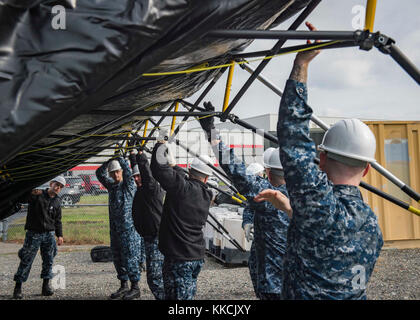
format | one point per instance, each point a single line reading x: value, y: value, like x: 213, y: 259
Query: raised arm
x: 306, y: 183
x: 171, y: 180
x: 147, y: 179
x: 102, y: 175
x: 128, y: 180
x: 234, y: 168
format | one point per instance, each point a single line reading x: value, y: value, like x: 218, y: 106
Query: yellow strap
x: 414, y: 210
x: 236, y: 199
x: 198, y: 69
x: 241, y: 196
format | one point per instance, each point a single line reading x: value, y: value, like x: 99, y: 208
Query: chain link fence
x: 84, y: 215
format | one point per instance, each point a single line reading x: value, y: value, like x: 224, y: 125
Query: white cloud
x: 343, y: 82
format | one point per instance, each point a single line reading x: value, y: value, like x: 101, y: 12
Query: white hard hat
x: 114, y: 165
x: 135, y: 170
x: 266, y: 156
x: 349, y: 139
x: 60, y: 179
x: 254, y: 169
x: 274, y: 160
x: 202, y: 167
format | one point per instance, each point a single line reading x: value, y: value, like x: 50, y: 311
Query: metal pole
x: 362, y: 183
x: 161, y: 120
x: 199, y: 157
x: 228, y: 86
x: 263, y: 63
x: 156, y: 113
x: 404, y: 62
x: 407, y: 189
x: 287, y: 35
x: 200, y: 98
x: 226, y: 235
x: 333, y: 45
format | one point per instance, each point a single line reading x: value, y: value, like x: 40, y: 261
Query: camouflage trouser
x: 126, y: 251
x: 180, y: 278
x: 154, y: 262
x: 252, y: 265
x: 142, y: 250
x: 34, y: 241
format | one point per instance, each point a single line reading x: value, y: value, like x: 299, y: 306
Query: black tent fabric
x: 59, y: 60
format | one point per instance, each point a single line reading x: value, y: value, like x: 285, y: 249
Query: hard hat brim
x: 345, y: 154
x: 202, y: 171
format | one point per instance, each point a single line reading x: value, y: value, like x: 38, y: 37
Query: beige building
x: 398, y: 150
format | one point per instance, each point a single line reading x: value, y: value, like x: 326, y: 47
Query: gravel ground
x: 396, y: 276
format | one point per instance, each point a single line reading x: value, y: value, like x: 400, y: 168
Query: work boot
x: 133, y: 293
x: 46, y: 289
x: 17, y: 292
x: 121, y: 291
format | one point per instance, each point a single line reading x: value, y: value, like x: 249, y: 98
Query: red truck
x: 92, y: 185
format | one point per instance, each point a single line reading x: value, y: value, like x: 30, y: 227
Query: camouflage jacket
x: 334, y: 239
x: 270, y: 224
x: 120, y: 197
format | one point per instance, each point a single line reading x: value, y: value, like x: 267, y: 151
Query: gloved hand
x: 249, y: 231
x: 207, y: 123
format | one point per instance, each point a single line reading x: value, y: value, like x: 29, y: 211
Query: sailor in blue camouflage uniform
x: 270, y: 224
x: 125, y: 241
x: 334, y: 239
x: 248, y: 227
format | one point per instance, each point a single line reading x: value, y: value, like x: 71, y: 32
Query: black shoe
x: 121, y: 291
x: 46, y: 289
x: 133, y: 293
x: 17, y: 292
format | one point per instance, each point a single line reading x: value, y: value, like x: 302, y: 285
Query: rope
x: 199, y: 69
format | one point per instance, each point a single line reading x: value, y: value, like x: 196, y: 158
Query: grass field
x: 81, y: 225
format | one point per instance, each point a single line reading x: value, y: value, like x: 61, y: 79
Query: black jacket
x: 184, y: 214
x: 148, y: 200
x: 44, y: 213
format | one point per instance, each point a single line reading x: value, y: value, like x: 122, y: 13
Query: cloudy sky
x: 343, y: 82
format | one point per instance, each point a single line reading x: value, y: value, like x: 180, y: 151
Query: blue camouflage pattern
x: 180, y: 278
x: 334, y: 238
x: 154, y: 263
x: 34, y: 241
x: 125, y: 241
x: 252, y: 266
x: 247, y: 216
x: 270, y: 224
x: 142, y: 258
